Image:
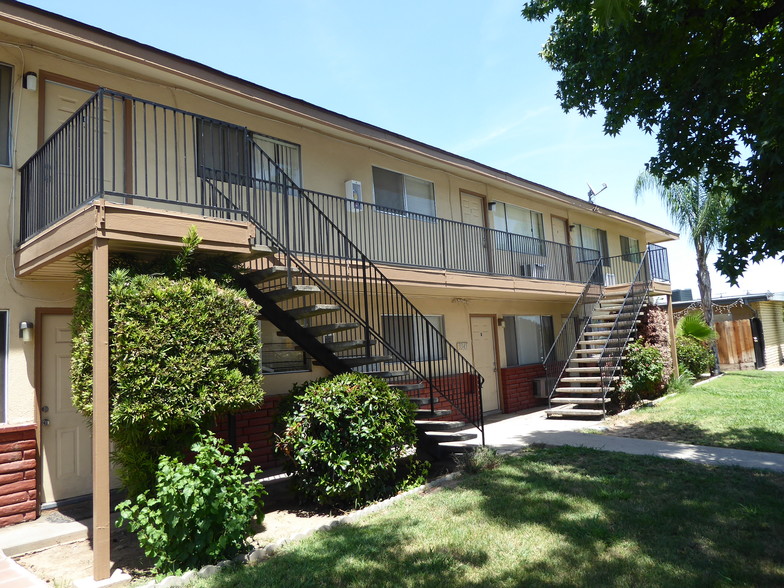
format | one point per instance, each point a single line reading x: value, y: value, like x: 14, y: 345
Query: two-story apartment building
x: 368, y: 250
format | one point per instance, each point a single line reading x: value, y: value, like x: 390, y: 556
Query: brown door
x: 483, y: 345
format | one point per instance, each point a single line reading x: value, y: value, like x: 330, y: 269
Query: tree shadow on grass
x: 753, y: 438
x: 627, y: 520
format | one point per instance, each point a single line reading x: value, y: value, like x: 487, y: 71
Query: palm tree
x: 699, y: 208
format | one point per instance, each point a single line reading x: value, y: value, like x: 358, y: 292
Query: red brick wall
x: 18, y: 469
x: 517, y: 387
x: 256, y: 429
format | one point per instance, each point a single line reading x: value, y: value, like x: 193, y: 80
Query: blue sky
x: 461, y: 75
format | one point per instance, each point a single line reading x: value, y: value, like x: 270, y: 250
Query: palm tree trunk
x: 704, y: 285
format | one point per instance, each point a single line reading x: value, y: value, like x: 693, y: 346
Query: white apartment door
x: 66, y: 452
x: 483, y: 346
x: 473, y: 250
x: 564, y: 254
x: 560, y: 229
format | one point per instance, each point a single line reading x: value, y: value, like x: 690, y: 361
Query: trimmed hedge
x: 343, y: 437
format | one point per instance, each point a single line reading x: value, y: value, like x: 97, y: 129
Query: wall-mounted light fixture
x: 30, y: 81
x: 501, y: 322
x: 571, y: 227
x: 26, y: 331
x: 491, y: 205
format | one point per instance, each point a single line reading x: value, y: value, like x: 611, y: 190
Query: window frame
x: 6, y: 113
x: 418, y: 351
x: 4, y: 344
x: 604, y: 248
x: 626, y: 249
x: 529, y: 244
x: 405, y: 211
x: 546, y: 330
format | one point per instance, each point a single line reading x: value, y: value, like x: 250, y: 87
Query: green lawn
x: 744, y: 410
x: 554, y: 517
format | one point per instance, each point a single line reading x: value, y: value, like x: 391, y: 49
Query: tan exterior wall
x: 771, y: 314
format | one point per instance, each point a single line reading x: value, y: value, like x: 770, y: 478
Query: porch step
x: 572, y: 410
x: 595, y: 349
x: 579, y: 390
x: 449, y: 436
x: 385, y: 374
x: 581, y: 379
x: 313, y: 310
x: 427, y: 413
x: 583, y: 370
x: 271, y: 273
x: 321, y: 330
x: 578, y: 400
x: 421, y: 400
x: 294, y: 292
x: 588, y: 359
x: 428, y: 425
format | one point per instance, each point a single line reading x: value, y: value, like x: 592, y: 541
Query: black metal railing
x: 557, y: 358
x: 624, y: 326
x: 127, y: 149
x: 403, y: 238
x: 314, y: 250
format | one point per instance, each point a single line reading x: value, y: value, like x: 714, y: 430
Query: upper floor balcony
x: 129, y: 151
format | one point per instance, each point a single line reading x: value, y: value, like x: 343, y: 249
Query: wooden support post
x: 101, y: 507
x: 673, y: 348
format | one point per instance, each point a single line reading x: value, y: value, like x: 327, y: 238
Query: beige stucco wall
x: 330, y: 156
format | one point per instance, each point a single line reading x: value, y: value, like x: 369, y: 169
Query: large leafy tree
x: 706, y: 77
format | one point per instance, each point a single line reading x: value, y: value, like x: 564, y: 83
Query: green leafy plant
x: 694, y: 356
x: 643, y: 374
x: 343, y: 437
x: 198, y: 512
x: 182, y: 350
x: 693, y: 325
x: 480, y: 459
x: 682, y: 383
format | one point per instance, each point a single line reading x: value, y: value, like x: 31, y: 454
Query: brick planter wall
x: 255, y: 428
x: 18, y: 473
x: 517, y: 387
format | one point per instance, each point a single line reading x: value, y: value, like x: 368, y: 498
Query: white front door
x: 473, y: 252
x: 66, y: 452
x: 483, y: 347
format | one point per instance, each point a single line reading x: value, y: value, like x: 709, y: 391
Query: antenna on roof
x: 592, y: 193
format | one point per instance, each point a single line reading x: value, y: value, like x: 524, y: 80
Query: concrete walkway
x: 510, y: 433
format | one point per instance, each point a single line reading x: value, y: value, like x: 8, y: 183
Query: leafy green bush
x: 643, y: 374
x: 694, y: 356
x: 343, y: 435
x: 199, y: 512
x: 181, y: 351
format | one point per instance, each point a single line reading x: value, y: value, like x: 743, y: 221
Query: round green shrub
x: 199, y: 512
x: 343, y: 436
x: 694, y: 356
x: 643, y: 373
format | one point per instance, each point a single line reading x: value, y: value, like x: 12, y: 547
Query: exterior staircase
x: 324, y: 294
x: 585, y: 362
x: 582, y: 389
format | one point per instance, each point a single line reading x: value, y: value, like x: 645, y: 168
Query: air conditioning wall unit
x: 533, y: 270
x: 540, y: 388
x: 354, y: 195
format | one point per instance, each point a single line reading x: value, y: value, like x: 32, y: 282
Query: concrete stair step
x: 408, y: 387
x: 578, y: 400
x: 259, y: 251
x: 425, y: 413
x: 385, y: 374
x: 579, y: 390
x: 573, y: 410
x: 270, y: 273
x: 321, y: 330
x: 338, y: 346
x: 581, y: 379
x: 359, y: 361
x: 583, y: 370
x: 429, y: 425
x: 313, y: 310
x: 294, y: 292
x: 421, y: 400
x: 449, y: 436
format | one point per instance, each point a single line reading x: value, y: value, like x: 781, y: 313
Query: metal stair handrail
x: 327, y: 241
x: 618, y: 338
x: 554, y: 369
